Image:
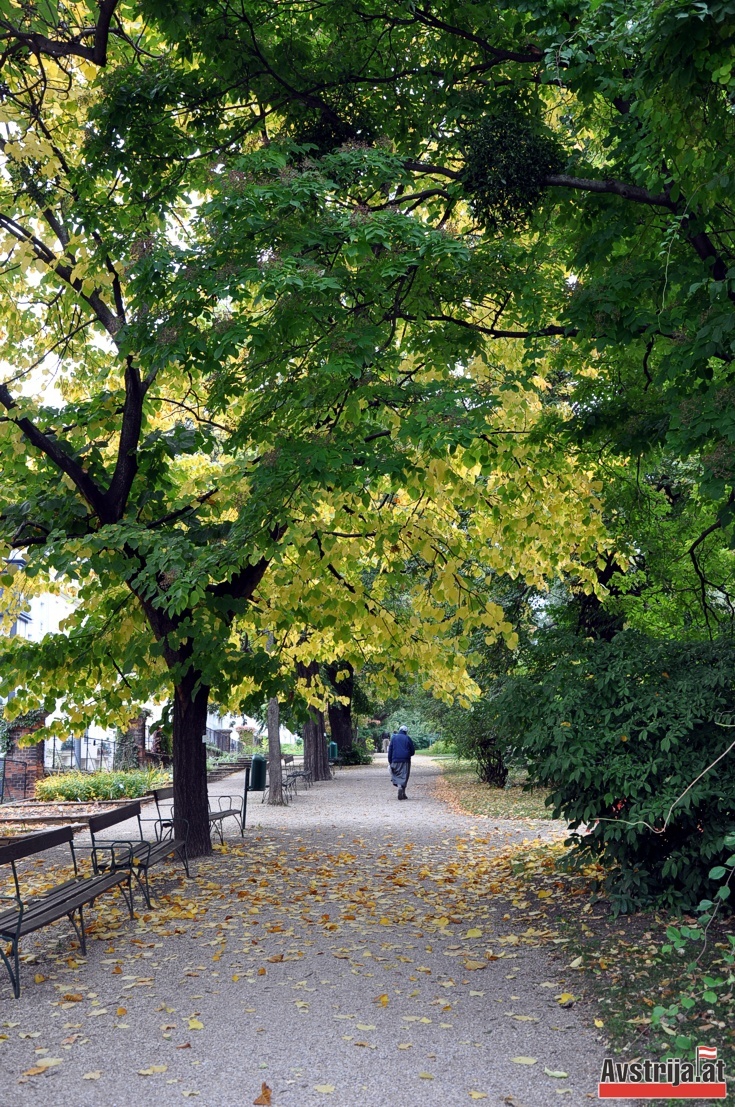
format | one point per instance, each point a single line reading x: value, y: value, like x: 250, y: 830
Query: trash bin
x: 257, y: 773
x: 333, y: 751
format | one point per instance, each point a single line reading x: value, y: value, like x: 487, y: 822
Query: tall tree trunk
x: 275, y: 775
x: 340, y: 714
x: 190, y: 764
x: 316, y: 759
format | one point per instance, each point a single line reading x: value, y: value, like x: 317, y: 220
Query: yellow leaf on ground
x: 42, y: 1065
x: 325, y: 1089
x: 576, y: 963
x: 264, y: 1099
x: 557, y: 1074
x: 121, y: 1011
x: 382, y: 1000
x: 425, y: 1076
x: 92, y: 1075
x: 524, y: 1060
x: 262, y: 972
x: 566, y: 999
x: 474, y: 933
x: 39, y: 978
x: 152, y: 1070
x: 478, y: 1095
x: 385, y: 921
x: 405, y: 1045
x: 365, y: 1026
x: 599, y: 1024
x: 196, y: 1024
x: 187, y: 1094
x: 72, y: 997
x: 475, y: 966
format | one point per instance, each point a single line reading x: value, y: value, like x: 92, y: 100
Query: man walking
x: 400, y: 752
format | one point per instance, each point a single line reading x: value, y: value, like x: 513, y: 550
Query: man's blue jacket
x: 401, y: 747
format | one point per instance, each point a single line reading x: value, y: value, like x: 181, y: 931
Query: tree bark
x: 275, y: 774
x: 190, y: 764
x: 340, y: 714
x: 316, y: 759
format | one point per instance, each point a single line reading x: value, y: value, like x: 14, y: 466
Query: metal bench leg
x: 79, y: 929
x: 14, y: 967
x: 127, y: 891
x: 184, y: 860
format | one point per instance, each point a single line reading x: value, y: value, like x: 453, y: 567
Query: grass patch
x: 464, y: 792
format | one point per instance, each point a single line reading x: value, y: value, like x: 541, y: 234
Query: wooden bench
x: 229, y: 807
x: 67, y: 899
x: 142, y: 852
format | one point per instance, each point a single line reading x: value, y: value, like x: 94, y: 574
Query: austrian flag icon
x: 706, y: 1053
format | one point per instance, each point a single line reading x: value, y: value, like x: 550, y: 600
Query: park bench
x: 228, y: 807
x: 143, y: 854
x: 30, y: 913
x: 294, y: 772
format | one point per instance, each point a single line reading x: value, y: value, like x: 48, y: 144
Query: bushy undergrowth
x: 356, y: 755
x: 103, y: 785
x: 618, y: 731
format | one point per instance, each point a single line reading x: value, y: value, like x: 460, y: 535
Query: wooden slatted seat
x: 21, y: 915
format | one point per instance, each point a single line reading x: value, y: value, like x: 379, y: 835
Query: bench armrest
x: 124, y: 846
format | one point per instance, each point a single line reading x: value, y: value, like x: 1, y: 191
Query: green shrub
x: 618, y: 731
x: 103, y: 785
x: 356, y: 755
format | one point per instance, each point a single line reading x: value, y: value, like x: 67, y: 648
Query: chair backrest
x: 288, y: 759
x: 163, y: 793
x: 113, y: 817
x: 28, y: 844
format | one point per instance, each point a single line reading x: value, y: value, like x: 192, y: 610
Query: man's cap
x: 403, y: 728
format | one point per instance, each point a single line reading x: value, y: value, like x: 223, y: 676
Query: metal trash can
x: 333, y: 751
x: 257, y: 773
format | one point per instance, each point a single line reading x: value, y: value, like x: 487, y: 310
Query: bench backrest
x: 29, y: 844
x: 160, y: 794
x: 288, y: 759
x: 114, y: 816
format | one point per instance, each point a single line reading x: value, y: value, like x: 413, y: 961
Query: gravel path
x: 350, y: 951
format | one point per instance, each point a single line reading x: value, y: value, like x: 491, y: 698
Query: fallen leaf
x: 39, y: 978
x: 365, y: 1026
x: 599, y: 1024
x: 405, y: 1045
x: 557, y: 1074
x: 473, y: 966
x: 524, y: 1060
x: 425, y: 1076
x: 478, y: 1095
x: 72, y: 997
x: 121, y: 1011
x: 474, y: 933
x: 275, y: 958
x: 264, y: 1099
x: 262, y: 972
x: 325, y: 1089
x: 383, y: 1000
x: 152, y: 1070
x: 92, y: 1075
x: 566, y: 999
x: 186, y: 1045
x: 196, y: 1024
x: 576, y: 963
x: 187, y: 1094
x: 39, y: 1068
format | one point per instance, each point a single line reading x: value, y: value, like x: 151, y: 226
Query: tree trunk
x: 340, y: 714
x: 316, y: 759
x: 190, y: 764
x: 275, y: 774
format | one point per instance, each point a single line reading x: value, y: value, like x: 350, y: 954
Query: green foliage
x: 30, y: 719
x: 480, y: 735
x: 508, y: 158
x: 356, y: 755
x: 619, y: 731
x: 103, y: 785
